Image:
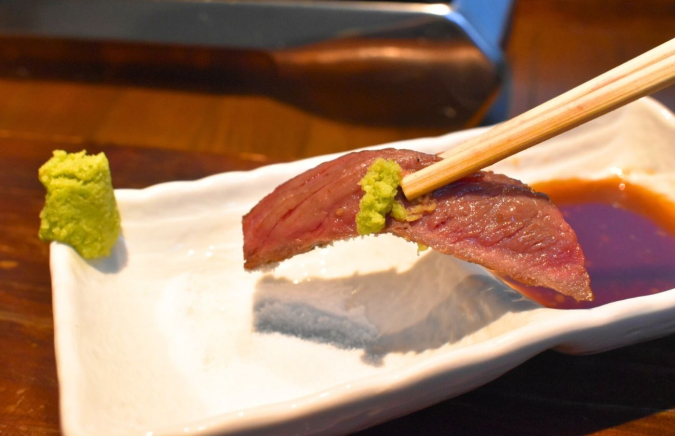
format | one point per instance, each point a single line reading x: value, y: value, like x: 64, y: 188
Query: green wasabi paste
x: 80, y: 207
x: 399, y: 212
x: 380, y: 185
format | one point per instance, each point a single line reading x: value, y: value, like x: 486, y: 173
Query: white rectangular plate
x: 170, y: 336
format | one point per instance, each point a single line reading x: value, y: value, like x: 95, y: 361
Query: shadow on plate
x: 438, y: 301
x: 115, y: 262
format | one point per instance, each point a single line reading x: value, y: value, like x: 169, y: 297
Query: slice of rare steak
x: 488, y: 219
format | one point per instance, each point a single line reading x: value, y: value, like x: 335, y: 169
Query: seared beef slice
x: 487, y: 218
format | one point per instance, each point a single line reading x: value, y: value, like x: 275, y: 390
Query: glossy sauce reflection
x: 627, y: 234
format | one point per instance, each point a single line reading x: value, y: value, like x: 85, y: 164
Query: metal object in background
x: 365, y: 62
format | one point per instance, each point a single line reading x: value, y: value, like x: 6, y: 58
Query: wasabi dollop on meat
x: 486, y: 218
x: 380, y: 185
x: 80, y: 207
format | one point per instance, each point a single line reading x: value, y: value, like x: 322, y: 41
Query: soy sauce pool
x: 627, y: 234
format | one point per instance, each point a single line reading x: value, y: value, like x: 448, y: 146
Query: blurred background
x: 179, y: 90
x: 284, y: 80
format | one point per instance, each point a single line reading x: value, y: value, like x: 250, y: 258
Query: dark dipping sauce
x: 627, y: 234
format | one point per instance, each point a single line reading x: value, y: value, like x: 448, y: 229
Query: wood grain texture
x: 556, y: 45
x: 183, y: 135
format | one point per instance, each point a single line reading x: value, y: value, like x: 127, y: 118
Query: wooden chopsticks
x: 636, y: 78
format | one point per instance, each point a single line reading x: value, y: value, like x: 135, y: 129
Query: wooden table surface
x: 153, y: 135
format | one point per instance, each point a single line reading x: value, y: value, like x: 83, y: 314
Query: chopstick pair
x: 641, y: 76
